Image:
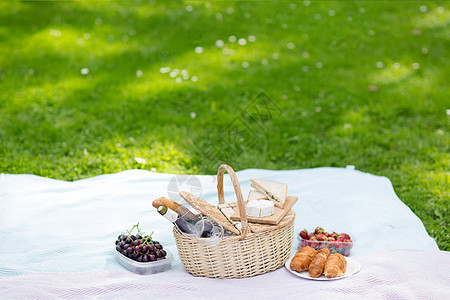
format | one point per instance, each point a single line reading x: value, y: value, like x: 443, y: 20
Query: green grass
x: 316, y: 62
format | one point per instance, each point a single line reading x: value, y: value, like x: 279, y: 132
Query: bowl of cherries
x: 319, y: 238
x: 140, y: 253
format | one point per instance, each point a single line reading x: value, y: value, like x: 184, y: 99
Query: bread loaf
x: 178, y: 208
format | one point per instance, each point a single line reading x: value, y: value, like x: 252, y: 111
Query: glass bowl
x: 343, y: 248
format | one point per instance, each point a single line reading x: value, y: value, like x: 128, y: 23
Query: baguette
x: 180, y: 209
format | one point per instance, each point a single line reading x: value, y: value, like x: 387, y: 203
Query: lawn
x: 90, y: 88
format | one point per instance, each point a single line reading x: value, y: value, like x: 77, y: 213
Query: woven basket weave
x: 236, y: 256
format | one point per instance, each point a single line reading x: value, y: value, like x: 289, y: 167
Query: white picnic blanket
x: 394, y: 274
x: 59, y: 236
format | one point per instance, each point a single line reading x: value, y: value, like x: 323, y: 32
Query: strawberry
x: 304, y: 243
x: 331, y: 239
x: 338, y: 245
x: 311, y: 235
x: 346, y: 252
x: 330, y: 245
x: 304, y: 234
x: 347, y: 245
x: 319, y: 230
x: 321, y: 237
x: 335, y: 235
x: 314, y: 243
x: 350, y: 245
x: 345, y: 236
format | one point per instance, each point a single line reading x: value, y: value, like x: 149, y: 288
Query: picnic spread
x: 248, y: 234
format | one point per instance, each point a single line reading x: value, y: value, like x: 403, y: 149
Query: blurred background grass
x: 89, y: 88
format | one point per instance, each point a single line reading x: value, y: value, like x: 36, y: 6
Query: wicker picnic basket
x: 236, y: 256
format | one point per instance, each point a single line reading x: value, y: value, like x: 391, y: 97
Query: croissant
x: 318, y: 263
x: 335, y: 266
x: 302, y: 259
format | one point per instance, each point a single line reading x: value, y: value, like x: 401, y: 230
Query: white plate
x: 353, y: 267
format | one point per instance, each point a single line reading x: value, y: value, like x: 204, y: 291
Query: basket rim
x: 238, y: 237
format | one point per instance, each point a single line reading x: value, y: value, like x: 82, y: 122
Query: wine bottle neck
x: 168, y: 213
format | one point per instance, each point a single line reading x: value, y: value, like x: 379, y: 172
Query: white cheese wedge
x: 259, y: 208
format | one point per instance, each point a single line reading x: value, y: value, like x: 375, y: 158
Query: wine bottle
x: 184, y: 223
x: 185, y: 212
x: 178, y: 208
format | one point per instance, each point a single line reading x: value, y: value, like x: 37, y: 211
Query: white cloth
x: 50, y: 225
x: 395, y: 274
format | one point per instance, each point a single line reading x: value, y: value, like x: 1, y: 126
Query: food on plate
x: 319, y: 238
x: 335, y: 266
x: 259, y: 208
x: 274, y: 191
x: 255, y: 200
x: 302, y: 259
x: 139, y: 247
x: 318, y: 263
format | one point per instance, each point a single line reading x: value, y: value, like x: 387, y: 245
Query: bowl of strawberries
x: 319, y: 238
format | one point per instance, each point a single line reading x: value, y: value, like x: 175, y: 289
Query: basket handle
x: 237, y: 190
